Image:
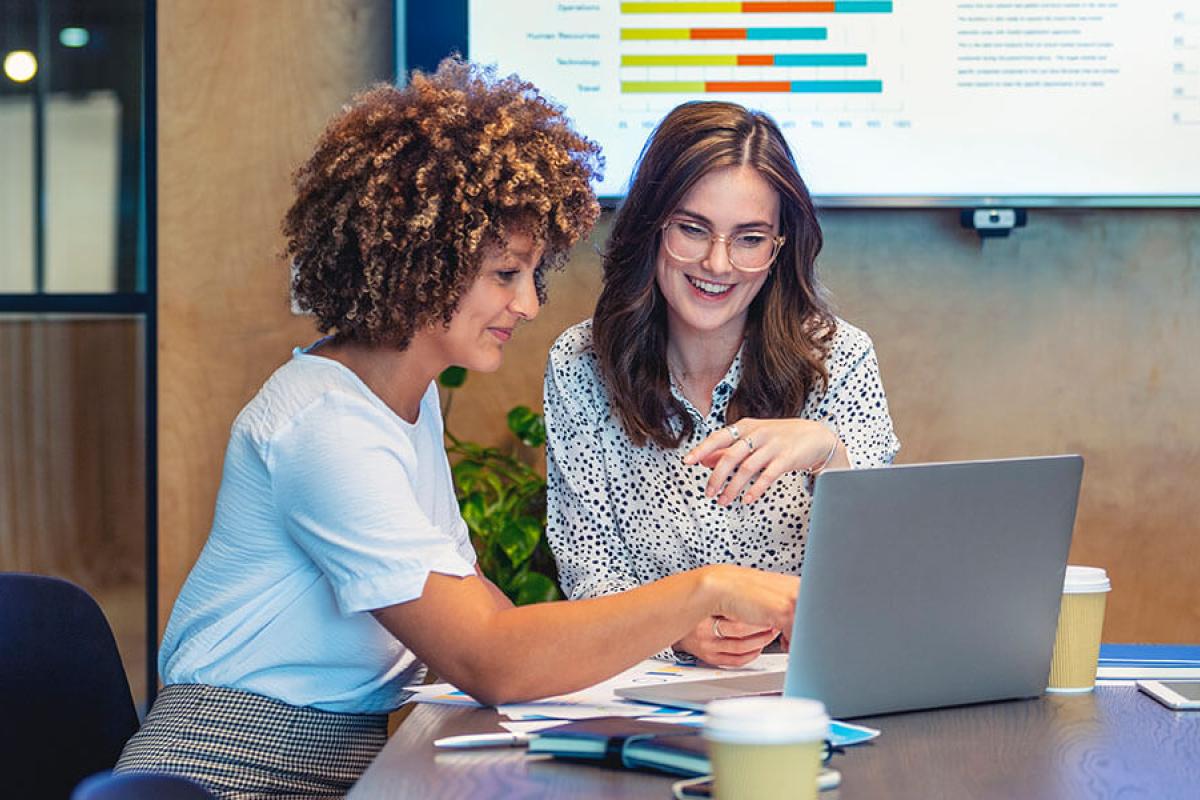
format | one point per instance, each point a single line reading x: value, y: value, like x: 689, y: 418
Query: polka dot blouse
x: 619, y: 516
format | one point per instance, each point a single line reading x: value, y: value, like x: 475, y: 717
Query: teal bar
x: 807, y: 34
x: 837, y: 87
x: 821, y: 60
x: 854, y: 7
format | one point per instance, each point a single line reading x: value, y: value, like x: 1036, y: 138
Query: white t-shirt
x: 330, y: 506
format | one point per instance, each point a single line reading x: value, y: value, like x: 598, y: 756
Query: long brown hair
x: 789, y: 326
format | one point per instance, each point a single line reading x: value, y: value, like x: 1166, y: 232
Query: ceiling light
x: 20, y: 66
x: 74, y: 37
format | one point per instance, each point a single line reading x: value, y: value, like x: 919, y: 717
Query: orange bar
x: 747, y: 86
x: 794, y: 8
x: 718, y: 33
x: 756, y: 61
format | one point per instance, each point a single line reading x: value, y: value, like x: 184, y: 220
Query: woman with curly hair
x: 338, y: 561
x: 713, y: 380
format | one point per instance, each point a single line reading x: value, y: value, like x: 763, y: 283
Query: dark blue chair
x: 65, y: 706
x: 139, y: 786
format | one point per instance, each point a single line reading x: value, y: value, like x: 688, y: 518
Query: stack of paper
x: 601, y: 700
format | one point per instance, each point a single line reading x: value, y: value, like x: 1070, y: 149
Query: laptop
x: 924, y: 585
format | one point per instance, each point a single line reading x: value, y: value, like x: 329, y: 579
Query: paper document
x: 600, y: 700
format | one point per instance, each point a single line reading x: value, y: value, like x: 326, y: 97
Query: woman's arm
x: 500, y: 655
x: 855, y: 430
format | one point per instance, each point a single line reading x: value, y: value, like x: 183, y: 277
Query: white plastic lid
x: 766, y: 720
x: 1086, y: 580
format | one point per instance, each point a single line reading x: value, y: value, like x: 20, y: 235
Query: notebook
x: 625, y: 742
x: 635, y: 744
x: 923, y: 586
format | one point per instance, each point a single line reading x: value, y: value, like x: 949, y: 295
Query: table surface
x: 1115, y: 742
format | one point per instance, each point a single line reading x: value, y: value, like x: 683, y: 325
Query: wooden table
x: 1115, y: 742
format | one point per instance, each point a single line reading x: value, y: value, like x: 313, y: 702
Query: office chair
x: 139, y: 786
x: 65, y: 706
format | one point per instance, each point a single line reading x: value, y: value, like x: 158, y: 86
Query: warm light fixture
x: 74, y: 37
x: 20, y: 66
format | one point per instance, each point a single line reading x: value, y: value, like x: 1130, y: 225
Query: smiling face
x: 710, y: 298
x: 502, y: 295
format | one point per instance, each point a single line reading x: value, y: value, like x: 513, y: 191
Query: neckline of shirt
x: 305, y: 354
x: 721, y: 393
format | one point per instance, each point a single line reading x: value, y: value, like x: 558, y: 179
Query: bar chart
x: 746, y: 48
x: 882, y: 100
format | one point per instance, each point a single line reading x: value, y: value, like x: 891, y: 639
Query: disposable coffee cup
x: 1080, y: 620
x: 765, y: 748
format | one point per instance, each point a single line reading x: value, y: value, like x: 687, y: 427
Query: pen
x: 474, y: 740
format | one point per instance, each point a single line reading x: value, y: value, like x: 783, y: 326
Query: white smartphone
x: 1179, y: 695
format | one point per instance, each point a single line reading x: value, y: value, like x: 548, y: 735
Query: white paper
x: 600, y: 700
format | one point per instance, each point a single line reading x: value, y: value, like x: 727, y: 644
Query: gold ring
x: 717, y: 628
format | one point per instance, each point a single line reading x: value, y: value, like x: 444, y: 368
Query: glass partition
x: 76, y: 316
x: 71, y: 141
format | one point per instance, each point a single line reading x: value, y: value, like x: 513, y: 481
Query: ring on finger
x: 734, y: 432
x: 717, y: 628
x: 749, y: 442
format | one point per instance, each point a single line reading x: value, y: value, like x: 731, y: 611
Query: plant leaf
x: 474, y: 513
x: 529, y: 427
x: 453, y: 377
x: 534, y: 587
x: 519, y: 538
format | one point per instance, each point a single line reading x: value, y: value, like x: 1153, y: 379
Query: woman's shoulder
x: 573, y: 344
x: 573, y: 358
x: 849, y: 343
x: 303, y: 387
x: 573, y: 371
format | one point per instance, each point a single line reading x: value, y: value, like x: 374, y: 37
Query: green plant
x: 503, y: 500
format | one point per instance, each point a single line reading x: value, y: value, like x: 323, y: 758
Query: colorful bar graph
x: 820, y: 60
x: 779, y: 60
x: 742, y: 34
x: 793, y: 87
x: 840, y: 7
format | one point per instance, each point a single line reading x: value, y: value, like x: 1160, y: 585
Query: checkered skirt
x: 242, y: 745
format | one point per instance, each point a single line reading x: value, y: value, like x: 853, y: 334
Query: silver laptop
x: 924, y: 585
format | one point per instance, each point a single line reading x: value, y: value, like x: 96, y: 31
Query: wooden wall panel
x: 1076, y: 334
x: 244, y: 90
x: 72, y: 488
x: 72, y: 464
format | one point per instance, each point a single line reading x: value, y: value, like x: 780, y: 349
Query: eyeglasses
x: 691, y: 242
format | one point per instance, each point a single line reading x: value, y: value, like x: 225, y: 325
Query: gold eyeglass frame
x: 727, y: 240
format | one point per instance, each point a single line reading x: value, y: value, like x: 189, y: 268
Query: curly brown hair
x: 407, y: 185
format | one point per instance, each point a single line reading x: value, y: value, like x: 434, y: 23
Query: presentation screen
x: 909, y: 102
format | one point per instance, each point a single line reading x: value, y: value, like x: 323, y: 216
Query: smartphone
x: 702, y: 787
x: 1179, y: 695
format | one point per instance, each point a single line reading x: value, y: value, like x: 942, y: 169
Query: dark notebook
x: 627, y: 743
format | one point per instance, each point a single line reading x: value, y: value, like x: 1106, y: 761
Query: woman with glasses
x: 687, y: 418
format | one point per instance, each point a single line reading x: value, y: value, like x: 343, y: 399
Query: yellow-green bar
x: 681, y: 8
x: 689, y: 87
x: 656, y: 33
x: 678, y: 61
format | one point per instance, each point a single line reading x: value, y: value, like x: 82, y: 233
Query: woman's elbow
x: 493, y: 687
